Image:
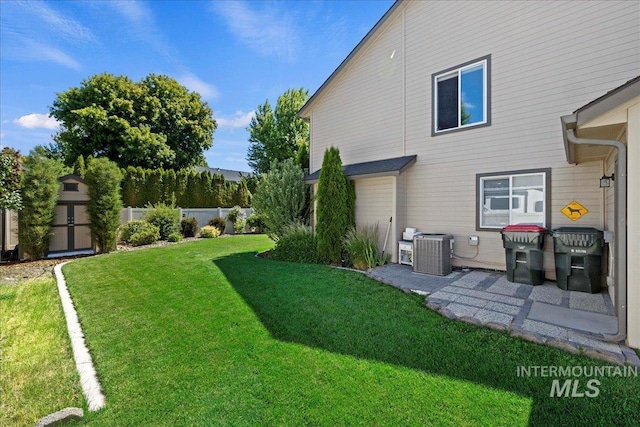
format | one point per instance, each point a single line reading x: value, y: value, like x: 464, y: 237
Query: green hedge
x: 189, y: 189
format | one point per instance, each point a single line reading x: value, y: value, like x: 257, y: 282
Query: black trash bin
x: 523, y: 245
x: 578, y: 256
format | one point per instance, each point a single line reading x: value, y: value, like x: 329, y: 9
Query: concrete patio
x: 572, y: 321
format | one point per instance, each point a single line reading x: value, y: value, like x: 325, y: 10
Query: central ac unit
x: 432, y: 254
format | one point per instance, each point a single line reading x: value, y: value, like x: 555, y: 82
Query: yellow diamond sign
x: 574, y: 211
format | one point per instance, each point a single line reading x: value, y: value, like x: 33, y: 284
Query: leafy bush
x: 174, y: 237
x: 165, y: 217
x: 145, y: 235
x: 132, y: 227
x: 209, y: 231
x: 219, y: 223
x: 361, y: 245
x: 255, y: 221
x: 297, y: 244
x: 235, y: 213
x: 189, y: 227
x: 281, y: 197
x: 240, y: 225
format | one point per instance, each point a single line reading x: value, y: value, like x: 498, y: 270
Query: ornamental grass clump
x: 361, y: 245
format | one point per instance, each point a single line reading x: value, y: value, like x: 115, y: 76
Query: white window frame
x: 480, y: 196
x: 457, y: 71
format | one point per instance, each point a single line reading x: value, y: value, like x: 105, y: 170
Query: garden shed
x: 70, y: 231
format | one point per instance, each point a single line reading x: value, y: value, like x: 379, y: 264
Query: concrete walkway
x: 545, y: 314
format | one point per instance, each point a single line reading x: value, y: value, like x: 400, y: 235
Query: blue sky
x: 236, y: 54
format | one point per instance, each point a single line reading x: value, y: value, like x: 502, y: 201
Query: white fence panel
x: 202, y: 215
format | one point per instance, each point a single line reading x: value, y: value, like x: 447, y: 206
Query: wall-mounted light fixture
x: 605, y: 181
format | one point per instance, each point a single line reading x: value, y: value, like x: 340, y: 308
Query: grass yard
x: 204, y: 333
x: 37, y: 373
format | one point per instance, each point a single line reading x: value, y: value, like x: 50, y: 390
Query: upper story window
x: 519, y: 197
x: 461, y: 96
x: 70, y: 186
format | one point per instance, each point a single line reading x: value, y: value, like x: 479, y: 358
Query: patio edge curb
x: 88, y: 380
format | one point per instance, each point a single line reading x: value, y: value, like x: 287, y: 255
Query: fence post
x: 129, y: 214
x: 180, y: 213
x: 219, y: 211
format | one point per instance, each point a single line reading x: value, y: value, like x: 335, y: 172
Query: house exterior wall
x: 547, y: 58
x: 633, y: 226
x: 373, y: 207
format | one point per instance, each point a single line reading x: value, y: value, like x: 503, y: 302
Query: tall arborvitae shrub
x: 79, y: 167
x: 153, y: 186
x: 103, y: 179
x: 182, y: 182
x: 332, y: 213
x: 40, y: 187
x: 241, y: 196
x: 169, y: 185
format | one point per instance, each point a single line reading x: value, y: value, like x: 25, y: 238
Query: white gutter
x: 569, y: 125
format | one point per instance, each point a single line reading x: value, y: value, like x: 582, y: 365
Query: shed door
x: 71, y: 228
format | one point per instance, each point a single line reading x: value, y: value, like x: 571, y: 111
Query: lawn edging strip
x: 88, y: 380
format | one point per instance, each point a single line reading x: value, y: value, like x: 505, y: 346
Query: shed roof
x: 376, y: 168
x: 228, y: 174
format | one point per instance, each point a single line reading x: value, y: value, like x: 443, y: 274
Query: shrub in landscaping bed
x: 165, y: 217
x: 139, y: 233
x: 209, y: 231
x: 219, y: 223
x: 189, y: 227
x: 297, y: 244
x: 174, y: 237
x: 256, y: 222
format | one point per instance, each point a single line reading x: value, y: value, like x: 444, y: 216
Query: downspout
x: 569, y: 124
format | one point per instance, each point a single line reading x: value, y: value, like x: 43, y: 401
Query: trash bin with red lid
x: 523, y: 245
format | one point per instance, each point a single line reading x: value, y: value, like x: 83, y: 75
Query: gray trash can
x: 578, y: 256
x: 523, y: 245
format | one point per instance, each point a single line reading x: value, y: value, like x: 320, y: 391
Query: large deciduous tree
x: 279, y: 134
x: 155, y: 123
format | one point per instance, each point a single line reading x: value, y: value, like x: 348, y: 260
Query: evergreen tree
x: 78, y: 166
x: 103, y: 179
x: 40, y: 188
x: 332, y: 213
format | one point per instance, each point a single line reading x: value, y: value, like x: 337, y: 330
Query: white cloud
x: 37, y: 121
x: 142, y: 25
x: 193, y: 83
x: 267, y: 31
x: 239, y: 120
x: 43, y: 52
x: 61, y: 25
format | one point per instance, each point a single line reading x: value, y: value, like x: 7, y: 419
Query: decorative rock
x: 529, y: 336
x: 496, y: 326
x: 604, y: 355
x: 60, y: 417
x: 563, y: 345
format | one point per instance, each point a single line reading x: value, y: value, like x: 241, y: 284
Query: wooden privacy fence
x: 202, y: 215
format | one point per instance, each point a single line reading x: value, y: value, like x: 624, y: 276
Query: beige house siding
x: 373, y: 206
x: 547, y: 58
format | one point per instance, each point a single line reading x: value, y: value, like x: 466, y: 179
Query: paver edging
x: 91, y: 387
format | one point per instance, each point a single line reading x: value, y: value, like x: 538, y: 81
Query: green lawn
x: 204, y: 333
x: 37, y: 372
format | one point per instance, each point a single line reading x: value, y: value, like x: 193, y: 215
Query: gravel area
x: 13, y: 272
